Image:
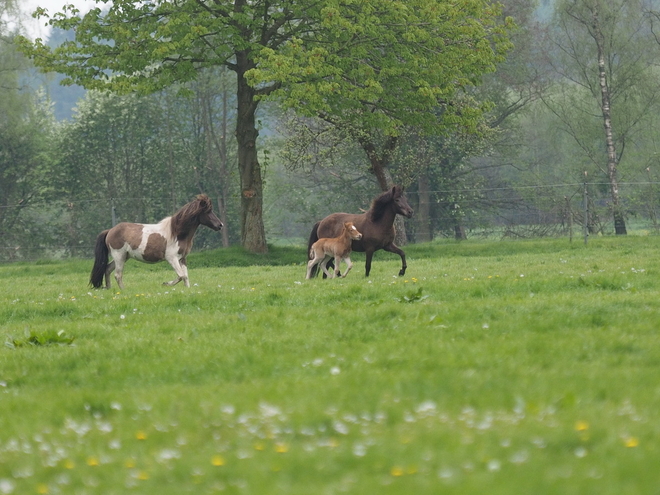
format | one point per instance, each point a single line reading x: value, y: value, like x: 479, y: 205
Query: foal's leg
x: 336, y: 272
x: 349, y: 265
x: 393, y: 248
x: 310, y: 265
x: 324, y: 265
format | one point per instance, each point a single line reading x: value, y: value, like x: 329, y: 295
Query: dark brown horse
x: 376, y: 226
x: 170, y: 239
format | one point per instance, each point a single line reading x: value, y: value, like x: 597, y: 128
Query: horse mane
x: 380, y: 204
x: 186, y: 219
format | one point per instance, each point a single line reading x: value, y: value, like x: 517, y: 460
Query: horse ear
x: 396, y: 192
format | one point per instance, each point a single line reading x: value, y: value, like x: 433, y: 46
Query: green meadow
x: 491, y: 367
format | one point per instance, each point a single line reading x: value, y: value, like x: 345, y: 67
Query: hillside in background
x: 64, y: 98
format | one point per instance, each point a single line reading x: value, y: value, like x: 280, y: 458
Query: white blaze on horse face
x: 355, y: 234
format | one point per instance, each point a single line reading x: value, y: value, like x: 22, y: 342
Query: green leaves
x: 44, y: 338
x: 412, y: 296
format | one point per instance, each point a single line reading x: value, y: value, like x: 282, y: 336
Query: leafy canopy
x: 385, y: 63
x: 147, y: 46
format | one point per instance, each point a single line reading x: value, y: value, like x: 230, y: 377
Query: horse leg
x: 108, y: 271
x: 119, y: 270
x: 184, y: 266
x: 367, y: 265
x: 180, y: 270
x: 393, y: 248
x: 349, y: 265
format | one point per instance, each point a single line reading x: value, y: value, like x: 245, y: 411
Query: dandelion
x: 42, y: 488
x: 217, y: 460
x: 631, y: 442
x: 69, y: 464
x: 130, y: 463
x: 396, y: 471
x: 142, y: 475
x: 281, y: 448
x: 93, y: 461
x: 581, y: 426
x: 140, y: 435
x: 414, y: 280
x: 259, y: 446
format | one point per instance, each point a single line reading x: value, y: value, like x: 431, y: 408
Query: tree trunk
x: 221, y: 187
x: 617, y: 210
x: 459, y: 231
x: 253, y: 235
x: 379, y: 162
x: 423, y: 214
x: 223, y: 171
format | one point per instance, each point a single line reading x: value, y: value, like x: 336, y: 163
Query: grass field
x: 501, y: 368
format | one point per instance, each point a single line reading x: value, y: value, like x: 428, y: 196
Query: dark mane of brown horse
x: 381, y: 203
x: 186, y: 219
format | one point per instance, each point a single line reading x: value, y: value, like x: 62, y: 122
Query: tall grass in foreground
x: 510, y: 367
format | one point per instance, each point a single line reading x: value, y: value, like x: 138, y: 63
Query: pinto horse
x: 338, y: 248
x: 170, y: 239
x: 376, y: 226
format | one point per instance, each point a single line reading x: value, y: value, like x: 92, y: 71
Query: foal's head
x: 352, y: 231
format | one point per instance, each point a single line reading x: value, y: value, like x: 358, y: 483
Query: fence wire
x: 68, y: 228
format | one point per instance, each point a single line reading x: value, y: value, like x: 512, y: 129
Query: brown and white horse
x: 338, y: 248
x: 170, y: 239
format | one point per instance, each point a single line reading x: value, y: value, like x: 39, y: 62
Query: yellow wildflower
x: 581, y: 426
x: 396, y: 471
x: 631, y: 442
x: 281, y: 448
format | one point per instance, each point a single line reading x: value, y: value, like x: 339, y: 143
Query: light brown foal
x: 338, y: 248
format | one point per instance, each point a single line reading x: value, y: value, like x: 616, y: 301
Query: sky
x: 36, y: 27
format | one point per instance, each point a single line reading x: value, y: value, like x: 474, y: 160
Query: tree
x: 378, y: 50
x: 378, y: 67
x: 603, y: 56
x: 148, y: 46
x: 26, y: 131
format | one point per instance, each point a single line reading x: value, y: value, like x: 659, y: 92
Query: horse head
x: 206, y: 216
x: 401, y: 205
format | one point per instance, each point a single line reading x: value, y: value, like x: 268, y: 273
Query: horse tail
x: 100, y: 260
x: 313, y: 237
